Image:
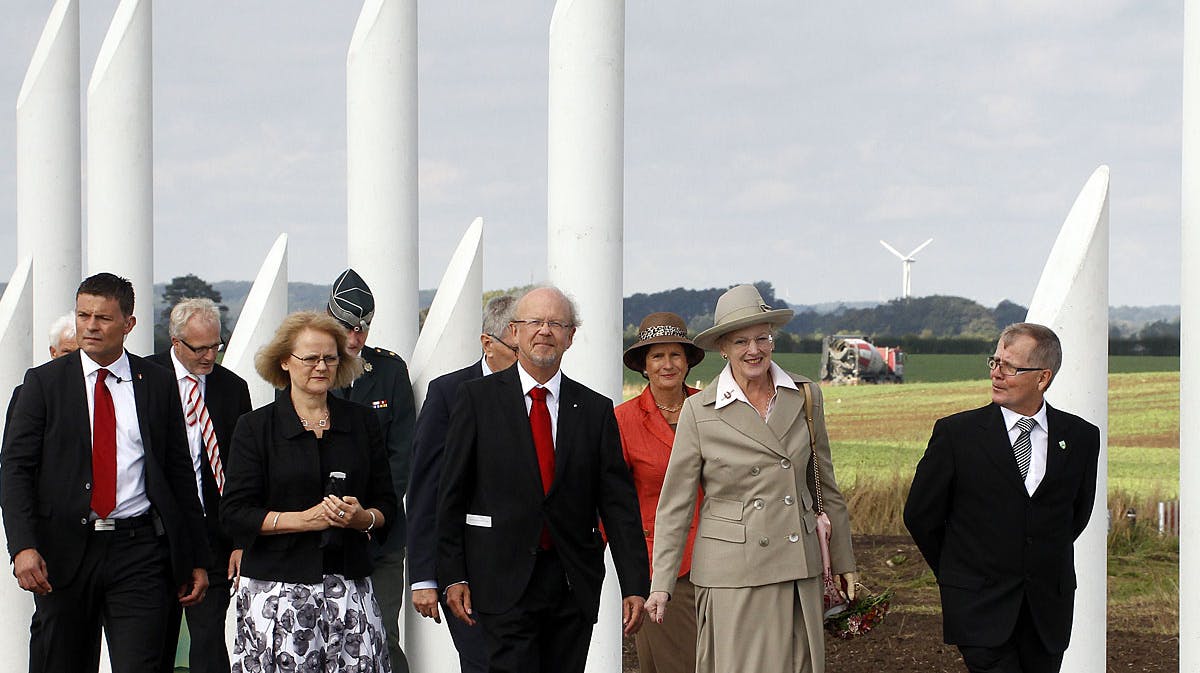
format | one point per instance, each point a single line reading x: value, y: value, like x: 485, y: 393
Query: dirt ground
x: 910, y: 639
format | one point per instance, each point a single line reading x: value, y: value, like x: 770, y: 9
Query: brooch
x: 1062, y: 444
x: 366, y: 366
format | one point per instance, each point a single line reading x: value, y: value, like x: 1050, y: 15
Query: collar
x: 487, y: 371
x: 120, y: 367
x: 181, y: 372
x: 529, y: 383
x: 1011, y: 417
x: 728, y: 390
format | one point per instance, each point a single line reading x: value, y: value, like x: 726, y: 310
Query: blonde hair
x: 269, y: 358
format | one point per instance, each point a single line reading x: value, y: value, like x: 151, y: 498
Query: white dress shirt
x: 131, y: 454
x: 1038, y: 438
x: 728, y: 390
x: 552, y: 387
x: 195, y: 440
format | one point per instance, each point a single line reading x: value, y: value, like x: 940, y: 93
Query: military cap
x: 351, y: 301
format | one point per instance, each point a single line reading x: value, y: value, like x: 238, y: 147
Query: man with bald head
x: 533, y: 468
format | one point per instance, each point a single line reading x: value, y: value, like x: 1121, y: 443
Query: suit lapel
x: 1056, y: 454
x: 569, y: 410
x: 999, y: 448
x: 788, y: 410
x: 653, y: 421
x: 141, y: 398
x: 743, y: 418
x: 512, y: 402
x: 75, y: 390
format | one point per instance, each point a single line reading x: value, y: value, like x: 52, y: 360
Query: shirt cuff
x: 427, y: 584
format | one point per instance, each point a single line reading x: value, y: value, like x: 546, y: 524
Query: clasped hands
x: 336, y: 512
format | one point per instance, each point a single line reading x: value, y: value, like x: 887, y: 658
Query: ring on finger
x: 341, y: 514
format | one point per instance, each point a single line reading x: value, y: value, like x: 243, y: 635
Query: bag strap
x: 815, y: 487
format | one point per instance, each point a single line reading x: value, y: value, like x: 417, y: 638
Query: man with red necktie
x: 99, y: 498
x: 213, y: 399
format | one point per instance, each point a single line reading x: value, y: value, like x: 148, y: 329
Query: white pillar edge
x: 49, y: 183
x: 1189, y: 349
x: 120, y: 163
x: 381, y: 161
x: 1072, y: 299
x: 265, y: 308
x: 448, y: 342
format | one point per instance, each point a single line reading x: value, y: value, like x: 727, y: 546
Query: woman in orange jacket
x: 662, y: 354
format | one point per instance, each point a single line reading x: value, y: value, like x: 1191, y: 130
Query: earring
x: 645, y: 373
x: 724, y: 356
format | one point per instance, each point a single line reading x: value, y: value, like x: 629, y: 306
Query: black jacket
x: 992, y: 545
x: 46, y: 467
x: 491, y: 471
x: 275, y: 465
x: 227, y: 397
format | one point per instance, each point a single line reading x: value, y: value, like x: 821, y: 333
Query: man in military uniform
x: 384, y: 387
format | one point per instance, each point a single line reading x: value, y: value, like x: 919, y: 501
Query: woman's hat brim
x: 634, y: 358
x: 775, y: 318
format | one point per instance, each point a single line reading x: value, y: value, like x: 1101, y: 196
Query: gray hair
x: 63, y: 327
x: 202, y: 308
x: 574, y: 318
x: 497, y: 313
x: 1047, y: 349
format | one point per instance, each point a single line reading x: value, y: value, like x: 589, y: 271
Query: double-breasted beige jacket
x: 757, y: 520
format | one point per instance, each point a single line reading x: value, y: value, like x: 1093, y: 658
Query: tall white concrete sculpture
x: 585, y: 218
x: 49, y: 193
x: 1072, y: 299
x: 381, y: 158
x: 265, y: 307
x: 449, y: 341
x: 1189, y: 351
x: 16, y: 322
x: 120, y: 163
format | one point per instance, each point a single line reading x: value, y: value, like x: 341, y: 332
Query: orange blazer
x: 646, y: 442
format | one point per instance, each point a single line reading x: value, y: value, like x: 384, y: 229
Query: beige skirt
x: 670, y: 647
x: 769, y: 629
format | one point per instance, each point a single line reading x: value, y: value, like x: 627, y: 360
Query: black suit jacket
x: 491, y: 470
x: 992, y: 545
x: 429, y: 443
x: 227, y: 397
x: 46, y: 473
x: 385, y: 387
x: 275, y: 465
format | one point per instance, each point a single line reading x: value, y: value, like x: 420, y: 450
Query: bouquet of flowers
x: 864, y: 612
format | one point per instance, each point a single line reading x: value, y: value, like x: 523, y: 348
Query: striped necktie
x: 197, y: 413
x: 1023, y: 447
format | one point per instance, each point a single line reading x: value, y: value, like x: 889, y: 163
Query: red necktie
x: 543, y: 441
x: 104, y: 449
x: 197, y: 412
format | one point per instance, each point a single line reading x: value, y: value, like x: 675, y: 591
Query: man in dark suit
x: 384, y: 386
x: 533, y: 467
x: 428, y: 450
x: 995, y: 506
x: 213, y: 399
x: 99, y: 498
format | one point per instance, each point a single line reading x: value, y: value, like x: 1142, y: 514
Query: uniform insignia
x: 1063, y: 445
x: 367, y: 366
x: 379, y: 404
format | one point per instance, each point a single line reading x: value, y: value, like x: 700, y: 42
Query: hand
x: 30, y: 570
x: 632, y: 613
x: 193, y: 592
x: 848, y: 580
x: 343, y: 512
x: 313, y: 518
x: 426, y: 603
x: 458, y: 599
x: 656, y: 605
x: 235, y: 568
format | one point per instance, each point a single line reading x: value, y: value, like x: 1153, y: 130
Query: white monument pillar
x: 49, y: 195
x: 120, y: 163
x: 381, y: 158
x: 1072, y: 299
x: 265, y: 307
x: 1189, y: 350
x: 16, y: 316
x: 585, y: 219
x: 449, y: 341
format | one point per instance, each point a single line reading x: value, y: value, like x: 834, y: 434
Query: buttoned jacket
x: 757, y: 521
x: 646, y: 441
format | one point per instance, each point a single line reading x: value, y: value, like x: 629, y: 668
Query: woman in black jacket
x: 307, y: 485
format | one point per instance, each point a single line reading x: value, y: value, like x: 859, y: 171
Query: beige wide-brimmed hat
x: 663, y: 327
x: 741, y: 306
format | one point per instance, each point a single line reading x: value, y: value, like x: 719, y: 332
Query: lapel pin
x: 575, y: 406
x: 367, y: 366
x: 728, y: 394
x: 1062, y: 444
x: 139, y: 376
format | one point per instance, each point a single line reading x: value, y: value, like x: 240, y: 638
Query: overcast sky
x: 763, y: 140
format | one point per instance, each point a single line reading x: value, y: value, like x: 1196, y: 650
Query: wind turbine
x: 907, y: 260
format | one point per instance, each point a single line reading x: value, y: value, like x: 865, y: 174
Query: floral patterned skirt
x: 330, y: 627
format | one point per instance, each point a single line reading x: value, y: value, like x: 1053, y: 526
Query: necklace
x: 322, y: 424
x: 670, y: 410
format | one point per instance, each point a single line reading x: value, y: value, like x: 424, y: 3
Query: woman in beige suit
x: 756, y: 563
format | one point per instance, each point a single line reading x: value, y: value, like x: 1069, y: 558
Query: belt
x: 130, y: 523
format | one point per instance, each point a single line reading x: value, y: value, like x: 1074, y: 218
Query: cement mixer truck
x: 850, y: 360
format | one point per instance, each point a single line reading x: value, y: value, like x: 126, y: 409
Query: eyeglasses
x: 555, y: 325
x: 501, y: 342
x: 311, y: 361
x: 203, y: 350
x: 765, y: 342
x: 1007, y: 369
